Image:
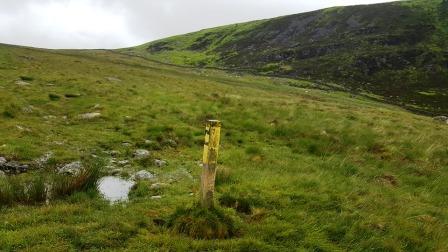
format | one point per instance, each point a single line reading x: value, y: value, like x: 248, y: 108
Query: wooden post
x: 209, y: 162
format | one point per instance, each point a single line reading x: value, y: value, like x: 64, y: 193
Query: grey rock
x: 116, y: 172
x: 2, y: 160
x: 13, y: 167
x: 441, y: 119
x: 127, y: 144
x: 160, y: 163
x: 143, y: 175
x: 72, y: 168
x: 2, y: 174
x: 40, y: 162
x: 22, y: 83
x: 112, y: 79
x: 141, y: 154
x: 88, y: 116
x: 123, y: 162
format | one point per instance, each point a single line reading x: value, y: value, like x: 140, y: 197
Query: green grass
x: 304, y: 169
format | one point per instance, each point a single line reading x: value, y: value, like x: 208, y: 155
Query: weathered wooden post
x: 209, y: 162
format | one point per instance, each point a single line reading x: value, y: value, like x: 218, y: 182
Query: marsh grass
x: 31, y: 189
x: 86, y: 179
x: 27, y: 190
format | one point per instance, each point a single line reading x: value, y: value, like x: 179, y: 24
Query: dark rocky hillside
x: 396, y: 52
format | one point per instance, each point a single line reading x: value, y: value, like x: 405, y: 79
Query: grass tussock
x: 85, y: 180
x: 27, y: 191
x: 201, y: 223
x: 223, y: 176
x: 31, y: 189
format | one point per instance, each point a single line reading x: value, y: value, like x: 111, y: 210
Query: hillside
x: 314, y: 170
x: 396, y: 52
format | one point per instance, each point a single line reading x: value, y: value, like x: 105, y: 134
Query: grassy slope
x: 396, y: 50
x: 322, y: 171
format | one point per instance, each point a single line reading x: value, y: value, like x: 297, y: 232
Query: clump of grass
x: 201, y: 223
x: 86, y: 179
x: 223, y: 176
x: 28, y: 191
x: 26, y: 78
x: 240, y: 204
x: 11, y: 111
x: 54, y: 97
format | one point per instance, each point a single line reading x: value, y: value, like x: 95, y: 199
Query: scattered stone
x: 141, y: 154
x: 156, y: 197
x: 443, y: 119
x: 112, y: 79
x: 72, y: 168
x: 49, y: 117
x: 157, y: 186
x: 88, y: 116
x: 127, y: 144
x: 2, y: 160
x: 22, y: 83
x: 116, y: 172
x: 13, y: 167
x: 40, y: 162
x: 149, y: 141
x: 123, y: 162
x: 160, y: 163
x: 143, y: 175
x: 21, y: 128
x: 171, y: 142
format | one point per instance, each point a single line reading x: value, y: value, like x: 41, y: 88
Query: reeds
x: 31, y: 189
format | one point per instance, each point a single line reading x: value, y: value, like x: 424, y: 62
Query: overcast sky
x: 123, y: 23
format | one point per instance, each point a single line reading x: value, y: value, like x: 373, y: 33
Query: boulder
x: 72, y: 168
x: 443, y: 119
x: 2, y: 161
x: 143, y: 175
x: 141, y: 154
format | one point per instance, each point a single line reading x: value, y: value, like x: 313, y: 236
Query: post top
x: 214, y: 122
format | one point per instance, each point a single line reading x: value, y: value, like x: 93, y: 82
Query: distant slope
x: 397, y: 50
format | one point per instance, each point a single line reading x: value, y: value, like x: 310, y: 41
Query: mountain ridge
x: 397, y: 50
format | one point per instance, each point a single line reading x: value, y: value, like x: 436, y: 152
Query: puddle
x: 115, y: 189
